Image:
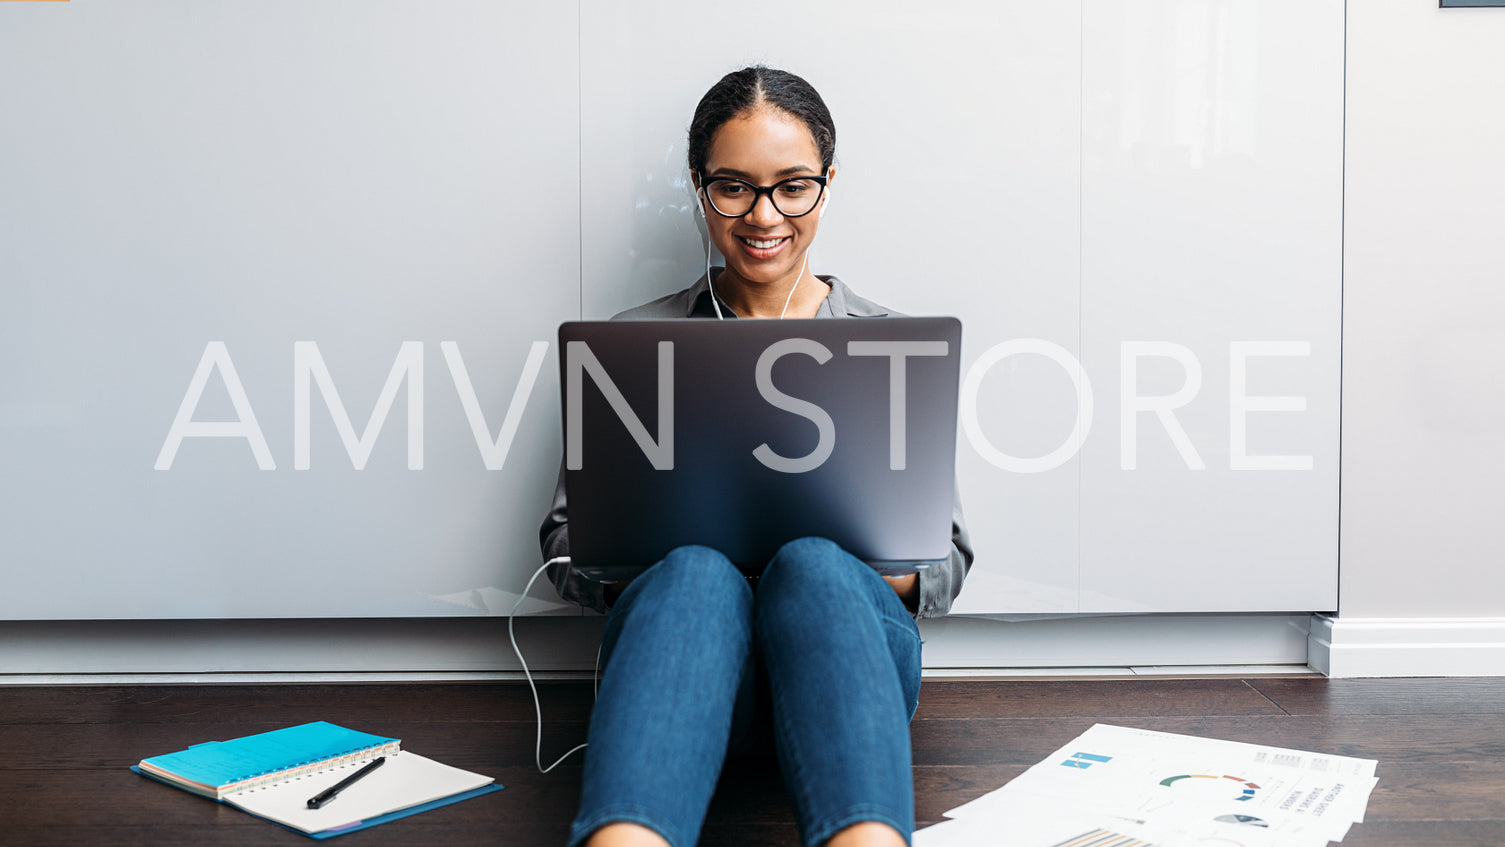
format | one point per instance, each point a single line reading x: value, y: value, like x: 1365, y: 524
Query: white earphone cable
x: 796, y: 284
x: 715, y: 304
x: 511, y: 630
x: 537, y: 709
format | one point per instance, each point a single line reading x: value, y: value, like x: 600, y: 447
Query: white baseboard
x: 1352, y: 647
x: 1120, y: 643
x: 477, y: 648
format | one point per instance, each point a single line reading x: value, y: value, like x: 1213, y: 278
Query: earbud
x: 826, y: 201
x: 699, y: 203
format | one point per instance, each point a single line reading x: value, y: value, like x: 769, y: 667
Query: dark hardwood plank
x: 235, y: 704
x: 1102, y: 700
x: 64, y: 777
x: 66, y: 806
x: 1426, y: 834
x: 1410, y: 791
x: 1406, y: 792
x: 1419, y: 834
x: 1385, y: 696
x: 396, y: 834
x: 122, y: 745
x: 1388, y: 738
x: 941, y: 788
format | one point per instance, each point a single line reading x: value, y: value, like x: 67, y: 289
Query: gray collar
x: 841, y: 302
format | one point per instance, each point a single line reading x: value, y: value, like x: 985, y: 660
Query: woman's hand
x: 908, y: 589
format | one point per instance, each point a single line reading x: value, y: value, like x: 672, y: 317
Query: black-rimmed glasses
x: 793, y: 197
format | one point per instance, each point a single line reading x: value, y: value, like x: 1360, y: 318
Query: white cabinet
x: 380, y: 178
x: 1109, y: 184
x: 359, y: 175
x: 1212, y: 149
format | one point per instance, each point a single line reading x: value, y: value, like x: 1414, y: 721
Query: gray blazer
x: 939, y: 584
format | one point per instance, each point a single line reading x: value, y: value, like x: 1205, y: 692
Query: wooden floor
x: 64, y: 752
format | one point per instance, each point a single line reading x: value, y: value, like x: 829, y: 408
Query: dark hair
x: 741, y: 90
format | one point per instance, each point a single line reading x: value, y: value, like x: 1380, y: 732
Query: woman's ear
x: 699, y: 203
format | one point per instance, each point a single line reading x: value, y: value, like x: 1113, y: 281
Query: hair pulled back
x: 758, y: 85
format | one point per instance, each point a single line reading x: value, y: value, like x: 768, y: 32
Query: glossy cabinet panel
x: 1211, y: 256
x: 955, y: 193
x: 370, y: 178
x: 344, y: 200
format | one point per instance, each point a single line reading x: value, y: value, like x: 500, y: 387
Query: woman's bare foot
x: 867, y: 834
x: 629, y: 835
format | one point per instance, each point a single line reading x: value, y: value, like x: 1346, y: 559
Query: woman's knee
x: 816, y: 561
x: 696, y: 574
x: 693, y: 593
x: 704, y: 567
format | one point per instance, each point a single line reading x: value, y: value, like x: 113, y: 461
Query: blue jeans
x: 688, y: 646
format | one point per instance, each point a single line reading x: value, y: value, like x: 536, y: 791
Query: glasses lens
x: 796, y: 196
x: 731, y: 198
x: 792, y: 197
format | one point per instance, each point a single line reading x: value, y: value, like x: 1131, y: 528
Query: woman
x: 821, y: 650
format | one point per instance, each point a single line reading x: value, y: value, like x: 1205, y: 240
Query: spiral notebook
x: 272, y: 775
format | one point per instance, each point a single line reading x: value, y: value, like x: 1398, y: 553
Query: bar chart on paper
x: 1103, y: 838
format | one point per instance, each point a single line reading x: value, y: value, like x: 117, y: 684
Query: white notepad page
x: 404, y: 780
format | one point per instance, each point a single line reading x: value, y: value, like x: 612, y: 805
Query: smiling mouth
x: 763, y: 243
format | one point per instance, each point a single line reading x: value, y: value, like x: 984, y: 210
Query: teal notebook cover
x: 219, y: 763
x: 376, y: 821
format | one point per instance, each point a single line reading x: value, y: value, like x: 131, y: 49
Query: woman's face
x: 763, y: 146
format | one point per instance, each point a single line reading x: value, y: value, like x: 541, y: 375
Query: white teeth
x: 763, y: 245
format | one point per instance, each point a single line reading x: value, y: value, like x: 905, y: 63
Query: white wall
x: 1423, y: 310
x: 1423, y: 473
x: 1421, y: 589
x: 369, y: 176
x: 262, y: 176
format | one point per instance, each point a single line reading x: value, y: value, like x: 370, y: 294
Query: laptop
x: 743, y: 435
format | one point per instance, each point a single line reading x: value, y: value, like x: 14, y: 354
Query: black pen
x: 329, y: 793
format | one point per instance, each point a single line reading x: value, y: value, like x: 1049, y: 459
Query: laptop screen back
x: 743, y: 435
